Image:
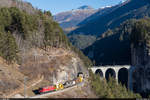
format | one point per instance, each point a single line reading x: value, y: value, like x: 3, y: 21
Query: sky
x: 57, y: 6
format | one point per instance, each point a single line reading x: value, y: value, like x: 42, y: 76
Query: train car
x: 69, y: 83
x: 59, y: 86
x: 47, y: 89
x: 73, y: 82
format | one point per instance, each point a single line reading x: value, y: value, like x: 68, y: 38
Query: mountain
x: 70, y: 19
x: 108, y: 18
x: 115, y: 15
x: 101, y: 11
x: 82, y: 40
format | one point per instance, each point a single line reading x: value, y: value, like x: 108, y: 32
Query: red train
x: 51, y: 88
x: 47, y: 89
x: 61, y: 86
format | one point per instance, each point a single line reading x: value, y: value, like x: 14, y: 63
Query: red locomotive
x: 47, y: 89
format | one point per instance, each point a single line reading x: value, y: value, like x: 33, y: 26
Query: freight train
x: 61, y: 86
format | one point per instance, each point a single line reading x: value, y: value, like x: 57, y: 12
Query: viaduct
x: 122, y: 73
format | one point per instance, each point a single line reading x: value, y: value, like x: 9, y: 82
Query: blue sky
x: 56, y: 6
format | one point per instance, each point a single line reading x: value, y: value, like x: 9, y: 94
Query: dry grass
x: 10, y: 77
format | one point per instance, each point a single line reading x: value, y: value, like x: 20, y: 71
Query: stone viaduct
x: 122, y: 73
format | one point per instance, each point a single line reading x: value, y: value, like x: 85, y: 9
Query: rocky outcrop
x: 141, y: 73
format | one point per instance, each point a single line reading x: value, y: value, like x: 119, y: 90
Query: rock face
x: 68, y: 72
x: 57, y: 65
x: 141, y: 73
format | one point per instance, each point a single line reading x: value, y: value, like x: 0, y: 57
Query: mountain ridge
x: 69, y: 19
x: 125, y: 11
x: 109, y: 18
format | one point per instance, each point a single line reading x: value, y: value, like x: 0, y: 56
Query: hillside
x: 70, y: 19
x: 33, y: 45
x: 113, y: 47
x: 82, y: 41
x: 101, y: 11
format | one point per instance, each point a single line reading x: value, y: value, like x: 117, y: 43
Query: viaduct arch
x: 121, y: 73
x: 99, y: 72
x: 123, y: 76
x: 110, y: 72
